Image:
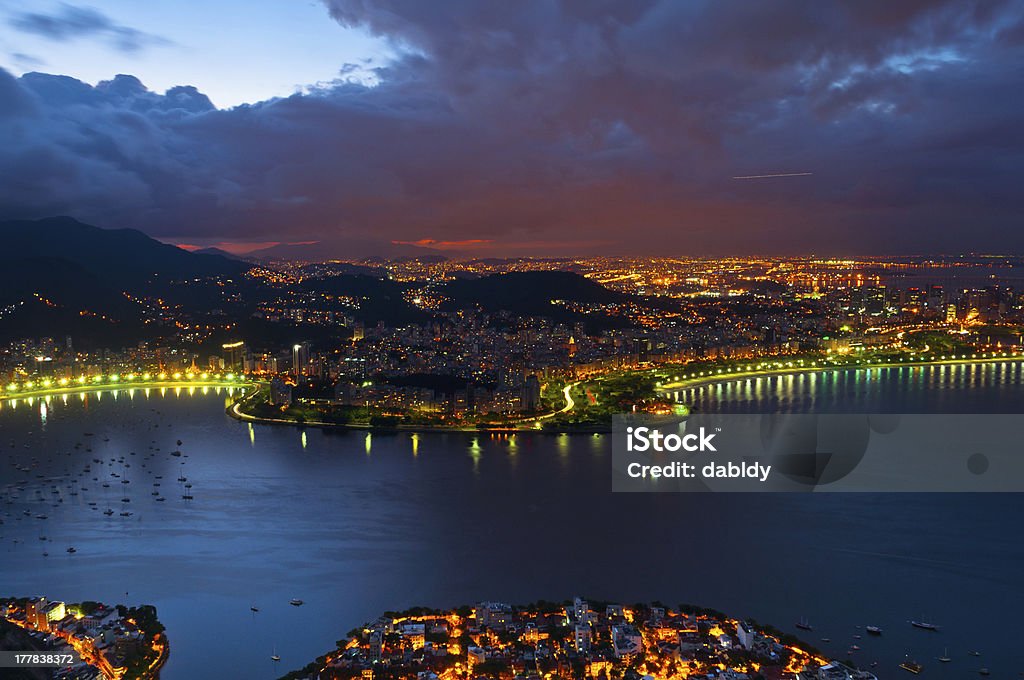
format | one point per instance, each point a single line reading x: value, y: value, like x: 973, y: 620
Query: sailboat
x: 274, y: 656
x: 803, y: 624
x: 945, y: 655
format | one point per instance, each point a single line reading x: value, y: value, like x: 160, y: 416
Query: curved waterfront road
x: 569, y: 403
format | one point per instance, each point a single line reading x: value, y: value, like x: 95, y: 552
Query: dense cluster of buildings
x: 575, y: 640
x: 492, y: 360
x: 55, y: 358
x: 109, y: 642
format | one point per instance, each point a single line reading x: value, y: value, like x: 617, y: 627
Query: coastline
x: 213, y: 419
x: 607, y: 638
x: 77, y: 630
x: 731, y: 377
x: 235, y: 411
x: 127, y: 386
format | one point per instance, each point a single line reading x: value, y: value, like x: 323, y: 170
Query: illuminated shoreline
x: 17, y: 612
x: 722, y: 378
x: 518, y: 426
x: 497, y: 640
x: 125, y: 386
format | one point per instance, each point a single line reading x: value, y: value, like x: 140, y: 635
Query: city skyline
x: 546, y: 129
x: 442, y: 324
x: 515, y: 344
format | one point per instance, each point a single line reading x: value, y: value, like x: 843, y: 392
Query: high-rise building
x: 745, y: 634
x: 234, y: 355
x: 582, y: 637
x: 35, y: 612
x: 300, y: 359
x: 40, y: 612
x: 580, y: 607
x: 530, y: 394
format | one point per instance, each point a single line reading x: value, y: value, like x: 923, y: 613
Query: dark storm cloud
x: 71, y: 22
x: 531, y: 126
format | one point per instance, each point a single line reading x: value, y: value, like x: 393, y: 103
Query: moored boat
x: 911, y: 666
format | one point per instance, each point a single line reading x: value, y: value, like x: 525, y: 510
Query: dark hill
x: 379, y: 299
x: 59, y: 276
x: 122, y: 257
x: 528, y: 293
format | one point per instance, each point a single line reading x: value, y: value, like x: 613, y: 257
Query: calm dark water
x: 355, y: 527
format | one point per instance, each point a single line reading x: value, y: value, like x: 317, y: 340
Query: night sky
x: 510, y: 128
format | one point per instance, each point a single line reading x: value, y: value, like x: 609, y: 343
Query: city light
x: 48, y: 385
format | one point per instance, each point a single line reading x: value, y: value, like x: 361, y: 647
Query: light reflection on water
x: 355, y: 534
x: 910, y: 389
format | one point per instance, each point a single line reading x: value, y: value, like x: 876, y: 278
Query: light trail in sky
x: 777, y: 174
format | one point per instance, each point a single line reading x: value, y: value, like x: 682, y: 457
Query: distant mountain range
x: 351, y: 248
x: 59, y: 275
x: 122, y: 257
x: 217, y: 251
